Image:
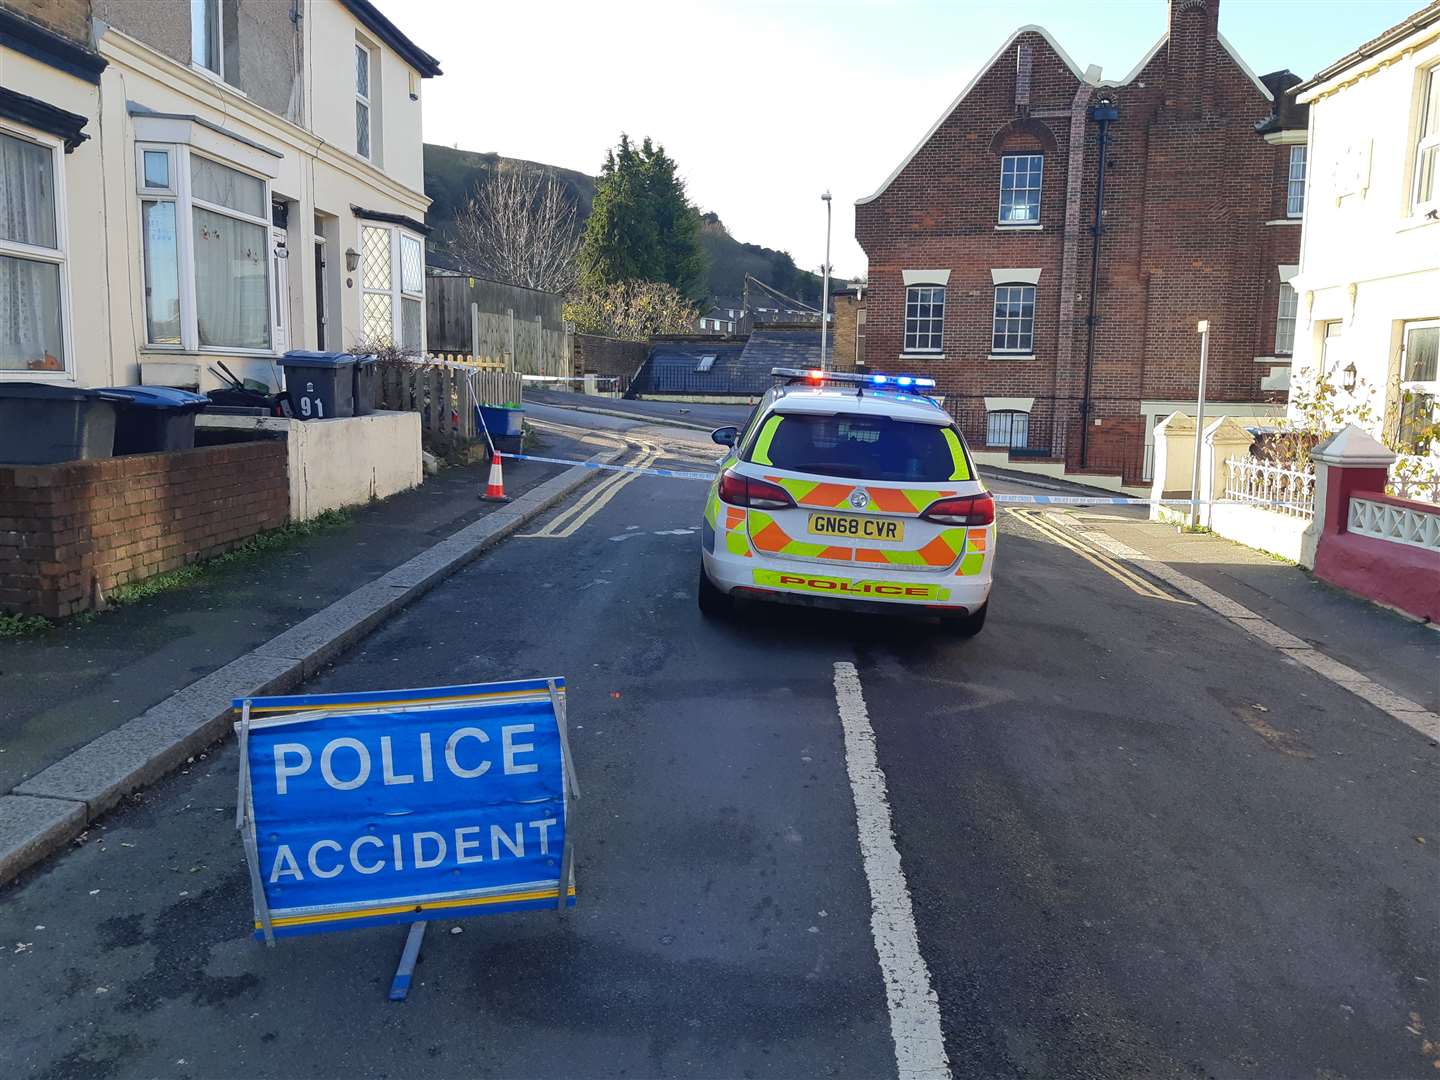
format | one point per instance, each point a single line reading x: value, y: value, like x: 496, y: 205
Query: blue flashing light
x: 878, y: 379
x: 904, y: 380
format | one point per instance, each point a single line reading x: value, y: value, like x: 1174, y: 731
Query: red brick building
x: 980, y: 243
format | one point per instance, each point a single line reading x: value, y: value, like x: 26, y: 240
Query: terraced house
x: 185, y: 182
x: 983, y: 258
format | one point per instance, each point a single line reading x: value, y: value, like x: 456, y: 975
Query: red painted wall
x: 1400, y: 575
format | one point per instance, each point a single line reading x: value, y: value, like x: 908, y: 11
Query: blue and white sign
x: 405, y: 805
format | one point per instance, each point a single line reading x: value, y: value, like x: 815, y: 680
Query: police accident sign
x: 405, y: 805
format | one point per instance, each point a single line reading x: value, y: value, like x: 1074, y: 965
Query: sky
x: 764, y: 106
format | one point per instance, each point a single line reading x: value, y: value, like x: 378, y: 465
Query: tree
x: 642, y: 226
x: 520, y: 228
x: 634, y: 310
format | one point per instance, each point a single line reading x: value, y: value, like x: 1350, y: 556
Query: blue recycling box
x: 404, y: 806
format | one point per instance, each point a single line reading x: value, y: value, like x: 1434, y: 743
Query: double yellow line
x: 570, y: 520
x: 1131, y: 580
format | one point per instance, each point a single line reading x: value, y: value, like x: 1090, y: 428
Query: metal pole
x: 1204, y: 329
x: 1103, y: 113
x: 825, y: 287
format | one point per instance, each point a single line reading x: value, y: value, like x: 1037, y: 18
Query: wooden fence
x: 445, y: 393
x: 523, y: 328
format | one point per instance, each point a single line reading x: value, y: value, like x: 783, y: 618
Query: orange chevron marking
x: 829, y: 495
x: 890, y: 501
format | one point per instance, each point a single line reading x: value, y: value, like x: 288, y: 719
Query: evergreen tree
x: 642, y: 226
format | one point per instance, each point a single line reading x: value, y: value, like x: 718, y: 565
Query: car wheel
x: 971, y: 624
x: 714, y: 604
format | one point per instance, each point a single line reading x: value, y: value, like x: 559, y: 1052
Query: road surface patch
x: 909, y: 994
x: 1410, y: 713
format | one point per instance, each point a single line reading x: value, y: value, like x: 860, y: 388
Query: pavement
x: 60, y: 690
x: 1129, y: 840
x: 1395, y: 650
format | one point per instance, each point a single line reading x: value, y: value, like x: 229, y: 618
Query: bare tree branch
x: 520, y: 228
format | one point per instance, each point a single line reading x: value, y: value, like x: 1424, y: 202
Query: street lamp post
x: 825, y: 288
x: 1203, y: 328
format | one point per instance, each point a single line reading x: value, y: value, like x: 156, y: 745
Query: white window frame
x: 1039, y: 190
x: 1295, y: 180
x: 397, y: 292
x: 213, y: 18
x: 401, y: 293
x: 1425, y: 144
x: 992, y: 415
x: 1285, y: 316
x: 930, y: 334
x: 56, y: 256
x: 1417, y: 386
x: 366, y: 99
x: 185, y: 204
x: 995, y: 321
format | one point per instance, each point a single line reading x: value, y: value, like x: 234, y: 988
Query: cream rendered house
x: 189, y: 182
x: 1368, y: 283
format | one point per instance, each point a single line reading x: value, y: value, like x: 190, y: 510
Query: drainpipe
x: 1103, y: 113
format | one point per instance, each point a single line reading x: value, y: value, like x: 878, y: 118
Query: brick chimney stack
x: 1191, y: 56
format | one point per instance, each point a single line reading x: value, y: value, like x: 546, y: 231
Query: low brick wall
x: 64, y: 529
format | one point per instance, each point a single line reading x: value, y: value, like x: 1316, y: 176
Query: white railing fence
x: 1398, y: 524
x: 1286, y: 491
x: 1415, y: 477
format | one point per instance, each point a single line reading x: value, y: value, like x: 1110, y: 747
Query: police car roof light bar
x: 914, y: 383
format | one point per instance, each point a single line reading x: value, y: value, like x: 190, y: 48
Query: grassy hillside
x: 452, y: 175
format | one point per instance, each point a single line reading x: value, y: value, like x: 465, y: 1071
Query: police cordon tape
x: 1000, y: 497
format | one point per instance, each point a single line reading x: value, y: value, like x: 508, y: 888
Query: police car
x: 853, y: 491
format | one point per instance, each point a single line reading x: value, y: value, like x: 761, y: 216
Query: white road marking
x: 914, y: 1008
x: 569, y: 521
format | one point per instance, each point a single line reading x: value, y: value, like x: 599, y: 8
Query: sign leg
x: 400, y: 985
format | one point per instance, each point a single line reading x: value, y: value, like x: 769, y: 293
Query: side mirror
x: 725, y: 436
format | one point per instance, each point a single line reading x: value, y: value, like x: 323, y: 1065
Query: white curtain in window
x: 29, y: 290
x: 27, y: 193
x: 214, y: 183
x: 231, y: 298
x: 30, y: 316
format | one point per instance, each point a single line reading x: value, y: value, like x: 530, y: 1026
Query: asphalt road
x: 649, y: 411
x: 1137, y: 845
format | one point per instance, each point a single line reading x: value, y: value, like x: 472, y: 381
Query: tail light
x: 966, y: 510
x: 739, y: 490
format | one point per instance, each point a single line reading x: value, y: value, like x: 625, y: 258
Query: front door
x: 320, y: 306
x: 280, y: 302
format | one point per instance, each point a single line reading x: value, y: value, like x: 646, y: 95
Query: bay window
x: 32, y: 257
x: 392, y: 280
x: 205, y: 229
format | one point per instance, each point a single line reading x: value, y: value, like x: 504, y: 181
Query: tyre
x: 714, y: 604
x: 971, y: 624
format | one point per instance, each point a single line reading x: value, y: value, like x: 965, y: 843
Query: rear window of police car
x: 859, y: 448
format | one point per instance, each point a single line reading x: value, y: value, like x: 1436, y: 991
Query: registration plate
x: 856, y: 528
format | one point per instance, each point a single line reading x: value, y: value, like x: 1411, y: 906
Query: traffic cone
x: 495, y: 488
